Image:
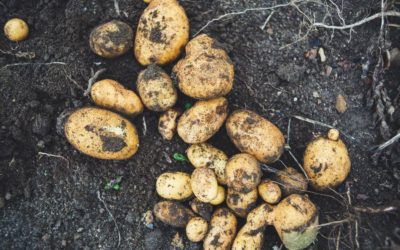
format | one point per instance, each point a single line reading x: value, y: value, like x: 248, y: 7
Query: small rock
x: 315, y: 94
x: 270, y: 30
x: 7, y: 196
x: 328, y: 70
x: 311, y: 54
x: 341, y: 105
x: 177, y: 241
x: 321, y: 54
x: 80, y: 230
x: 46, y: 237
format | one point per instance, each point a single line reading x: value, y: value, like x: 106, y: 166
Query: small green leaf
x: 179, y: 157
x: 188, y: 105
x: 116, y: 187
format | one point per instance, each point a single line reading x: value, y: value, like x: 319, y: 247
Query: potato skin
x: 101, y: 134
x: 269, y: 191
x: 253, y: 134
x: 220, y: 197
x: 291, y: 181
x: 201, y: 208
x: 222, y: 230
x: 174, y: 186
x: 241, y: 203
x: 206, y: 71
x: 111, y: 39
x: 162, y: 32
x: 167, y: 123
x: 196, y: 229
x: 204, y: 184
x: 172, y: 213
x: 242, y: 172
x: 16, y: 29
x: 112, y: 95
x: 156, y: 89
x: 203, y: 120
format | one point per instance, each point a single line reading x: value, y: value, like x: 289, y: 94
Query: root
x: 53, y: 155
x: 116, y: 7
x: 93, y: 80
x: 20, y: 54
x: 25, y: 64
x: 387, y: 143
x: 111, y: 215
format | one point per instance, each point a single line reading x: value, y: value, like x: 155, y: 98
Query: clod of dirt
x: 153, y: 240
x: 41, y: 124
x: 341, y: 105
x: 291, y: 73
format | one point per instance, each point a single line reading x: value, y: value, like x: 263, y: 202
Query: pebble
x: 7, y: 196
x: 341, y: 105
x: 80, y: 230
x: 46, y: 237
x: 321, y: 54
x: 315, y: 94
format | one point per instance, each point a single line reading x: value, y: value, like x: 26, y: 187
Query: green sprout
x: 114, y: 184
x: 188, y: 105
x: 180, y: 157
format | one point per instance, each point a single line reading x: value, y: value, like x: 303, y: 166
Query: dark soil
x: 51, y: 202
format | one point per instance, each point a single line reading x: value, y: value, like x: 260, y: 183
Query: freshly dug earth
x: 53, y: 202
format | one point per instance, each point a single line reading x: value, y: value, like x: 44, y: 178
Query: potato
x: 242, y: 172
x: 253, y: 134
x: 220, y: 197
x: 206, y: 71
x: 101, y: 134
x: 203, y: 120
x: 16, y: 29
x: 206, y: 155
x: 111, y: 39
x: 167, y: 123
x: 196, y: 229
x: 112, y: 95
x: 326, y: 161
x: 201, y: 208
x: 174, y: 186
x: 222, y: 230
x: 172, y: 213
x: 241, y: 203
x: 291, y: 181
x: 162, y: 32
x: 269, y: 191
x: 156, y: 89
x: 204, y: 184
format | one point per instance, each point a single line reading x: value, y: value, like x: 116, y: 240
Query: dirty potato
x: 111, y: 39
x: 16, y: 29
x: 204, y: 184
x: 156, y: 89
x: 291, y: 181
x: 201, y: 208
x: 203, y: 120
x: 174, y: 186
x: 167, y: 123
x: 162, y: 32
x: 220, y: 197
x: 242, y: 172
x: 196, y: 229
x: 101, y: 134
x: 241, y: 203
x: 253, y: 134
x: 222, y: 230
x: 269, y: 191
x: 172, y: 213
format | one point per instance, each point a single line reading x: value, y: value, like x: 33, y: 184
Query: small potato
x: 241, y: 203
x: 162, y: 32
x: 101, y: 134
x: 16, y: 29
x: 201, y: 208
x: 196, y: 229
x: 111, y: 39
x: 243, y: 172
x: 269, y: 191
x: 174, y: 186
x: 172, y: 213
x: 291, y: 181
x: 112, y: 95
x: 222, y: 230
x: 156, y: 89
x: 220, y: 197
x: 167, y: 123
x: 204, y: 184
x: 203, y: 120
x: 206, y: 71
x: 206, y: 155
x: 253, y: 134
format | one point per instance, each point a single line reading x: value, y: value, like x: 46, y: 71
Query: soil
x: 55, y: 202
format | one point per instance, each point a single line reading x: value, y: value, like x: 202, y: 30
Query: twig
x: 53, y: 155
x: 376, y: 210
x: 262, y: 27
x: 111, y: 215
x: 298, y: 163
x: 69, y: 77
x: 356, y: 236
x: 288, y: 130
x: 144, y: 126
x: 387, y: 143
x: 338, y: 239
x: 20, y: 54
x: 116, y: 7
x: 92, y: 80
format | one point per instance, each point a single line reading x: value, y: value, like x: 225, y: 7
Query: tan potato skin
x: 174, y: 186
x: 206, y: 155
x: 201, y: 208
x: 241, y: 203
x: 111, y: 39
x: 101, y: 134
x: 291, y: 181
x: 172, y: 213
x: 222, y: 230
x: 269, y: 191
x: 156, y: 89
x: 242, y: 172
x: 253, y: 134
x: 162, y: 32
x: 206, y: 71
x: 110, y: 94
x: 196, y: 229
x: 203, y: 120
x: 220, y: 197
x: 16, y: 29
x: 204, y: 184
x: 167, y: 123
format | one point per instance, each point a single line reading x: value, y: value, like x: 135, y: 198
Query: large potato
x: 112, y: 95
x: 241, y: 203
x: 101, y: 134
x: 242, y: 172
x: 206, y: 155
x: 204, y: 184
x: 203, y: 120
x: 162, y: 32
x: 173, y: 213
x: 253, y: 134
x: 196, y: 229
x: 156, y: 89
x: 201, y: 208
x: 222, y: 230
x: 206, y: 71
x: 174, y: 185
x: 269, y: 191
x: 167, y: 123
x: 291, y: 181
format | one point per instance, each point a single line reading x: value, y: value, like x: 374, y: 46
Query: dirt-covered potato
x: 204, y: 184
x: 206, y: 71
x: 222, y: 230
x: 326, y: 161
x: 156, y: 89
x: 269, y: 191
x: 172, y: 213
x: 206, y: 155
x: 243, y: 172
x: 101, y: 134
x: 16, y: 29
x: 220, y: 197
x: 203, y: 120
x: 291, y: 181
x: 167, y: 123
x: 241, y: 203
x: 174, y: 186
x: 110, y: 94
x: 196, y: 229
x: 253, y: 134
x: 162, y: 32
x: 111, y: 39
x: 201, y: 208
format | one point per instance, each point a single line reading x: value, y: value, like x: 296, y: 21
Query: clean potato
x: 167, y: 123
x: 156, y: 89
x: 220, y: 197
x: 172, y: 213
x: 174, y: 186
x: 269, y: 191
x: 201, y: 208
x: 112, y: 95
x: 253, y: 134
x: 241, y: 203
x: 206, y: 71
x: 206, y: 155
x: 162, y: 32
x: 291, y: 181
x: 111, y: 39
x: 203, y: 120
x: 101, y: 134
x: 242, y: 172
x: 204, y: 184
x: 16, y: 29
x: 196, y: 229
x: 222, y: 230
